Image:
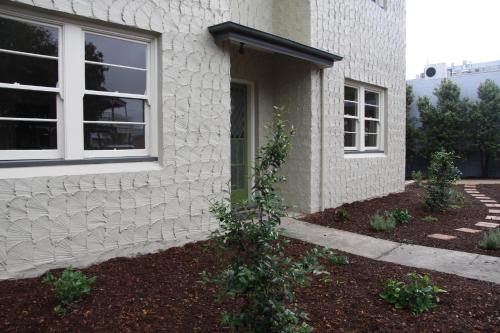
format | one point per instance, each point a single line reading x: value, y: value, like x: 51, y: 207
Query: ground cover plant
x: 491, y: 240
x: 400, y: 215
x: 417, y: 295
x: 259, y: 273
x: 341, y: 214
x: 70, y: 287
x: 384, y: 222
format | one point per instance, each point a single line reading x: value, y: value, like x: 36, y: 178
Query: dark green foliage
x: 382, y: 222
x: 70, y: 287
x: 418, y: 177
x: 491, y: 240
x: 259, y: 274
x: 341, y: 214
x: 413, y: 135
x: 429, y: 219
x: 336, y: 259
x: 442, y: 174
x: 399, y: 215
x: 418, y: 295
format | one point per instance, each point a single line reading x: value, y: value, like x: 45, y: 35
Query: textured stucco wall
x: 50, y: 222
x: 372, y: 41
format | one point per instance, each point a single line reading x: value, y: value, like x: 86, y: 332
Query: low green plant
x: 416, y: 295
x: 382, y: 222
x: 429, y: 219
x: 491, y: 240
x: 341, y: 214
x: 457, y: 200
x: 70, y: 287
x: 334, y: 258
x: 442, y: 174
x: 400, y: 215
x: 418, y: 178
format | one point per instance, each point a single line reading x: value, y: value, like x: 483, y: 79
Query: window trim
x: 70, y: 121
x: 360, y: 146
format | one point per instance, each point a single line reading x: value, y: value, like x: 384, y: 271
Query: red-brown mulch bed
x: 160, y: 293
x: 417, y: 230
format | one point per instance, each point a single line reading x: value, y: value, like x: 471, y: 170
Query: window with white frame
x: 69, y: 91
x: 363, y: 118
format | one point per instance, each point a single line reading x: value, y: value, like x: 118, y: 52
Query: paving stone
x: 492, y: 205
x: 487, y: 224
x: 472, y: 192
x: 468, y: 230
x: 494, y: 211
x: 493, y: 217
x: 492, y: 201
x: 441, y: 236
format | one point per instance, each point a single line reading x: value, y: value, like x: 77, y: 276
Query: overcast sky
x: 451, y: 31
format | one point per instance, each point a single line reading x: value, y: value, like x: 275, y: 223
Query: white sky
x: 451, y: 31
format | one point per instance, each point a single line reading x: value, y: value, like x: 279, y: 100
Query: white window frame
x: 360, y: 118
x: 71, y: 61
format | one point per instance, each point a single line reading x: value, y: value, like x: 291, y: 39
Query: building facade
x: 121, y: 118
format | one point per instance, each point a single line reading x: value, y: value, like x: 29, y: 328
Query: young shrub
x: 341, y: 214
x: 429, y: 219
x: 418, y: 295
x: 418, y: 178
x: 491, y: 240
x: 337, y: 259
x: 70, y: 287
x: 382, y: 222
x: 400, y: 215
x: 258, y: 273
x: 439, y: 188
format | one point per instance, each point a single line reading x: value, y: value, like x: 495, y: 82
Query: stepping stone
x: 487, y: 224
x: 492, y: 205
x: 480, y: 196
x: 472, y: 192
x: 493, y: 217
x: 492, y: 201
x: 468, y: 230
x: 441, y: 236
x: 494, y: 211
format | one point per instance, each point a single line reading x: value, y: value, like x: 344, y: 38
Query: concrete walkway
x: 479, y: 182
x: 469, y: 265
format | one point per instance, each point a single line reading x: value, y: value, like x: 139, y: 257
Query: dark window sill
x: 346, y: 152
x: 32, y: 163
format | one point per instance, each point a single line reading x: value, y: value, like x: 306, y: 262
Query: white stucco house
x: 118, y: 119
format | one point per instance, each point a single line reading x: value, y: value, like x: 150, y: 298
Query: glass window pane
x: 349, y: 125
x: 371, y: 126
x: 28, y: 37
x: 350, y: 140
x: 371, y: 111
x: 105, y: 108
x: 350, y: 94
x: 115, y: 51
x: 27, y: 104
x: 371, y: 140
x: 28, y: 70
x: 350, y: 108
x: 113, y: 136
x: 115, y: 79
x: 25, y: 135
x: 371, y: 98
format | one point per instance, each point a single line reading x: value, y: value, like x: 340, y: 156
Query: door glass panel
x: 28, y: 37
x: 239, y: 142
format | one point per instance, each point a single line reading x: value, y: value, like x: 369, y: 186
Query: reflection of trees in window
x: 30, y: 38
x: 95, y: 78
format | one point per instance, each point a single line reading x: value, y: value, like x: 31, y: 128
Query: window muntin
x: 112, y: 70
x: 29, y: 89
x: 363, y: 130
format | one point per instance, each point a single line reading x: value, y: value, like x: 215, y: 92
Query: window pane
x: 349, y: 140
x: 350, y: 94
x: 104, y: 108
x: 28, y: 70
x: 115, y: 79
x: 371, y: 98
x: 113, y: 136
x: 28, y: 37
x: 350, y: 108
x: 371, y: 111
x: 349, y: 125
x: 24, y: 135
x: 371, y: 140
x: 371, y: 126
x: 114, y: 51
x: 27, y: 104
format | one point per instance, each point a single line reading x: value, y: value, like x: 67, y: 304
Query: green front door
x: 239, y: 142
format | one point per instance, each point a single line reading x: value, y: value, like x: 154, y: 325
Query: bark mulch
x: 417, y: 230
x: 160, y: 293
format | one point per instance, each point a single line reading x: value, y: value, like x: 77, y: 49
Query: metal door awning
x: 253, y: 38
